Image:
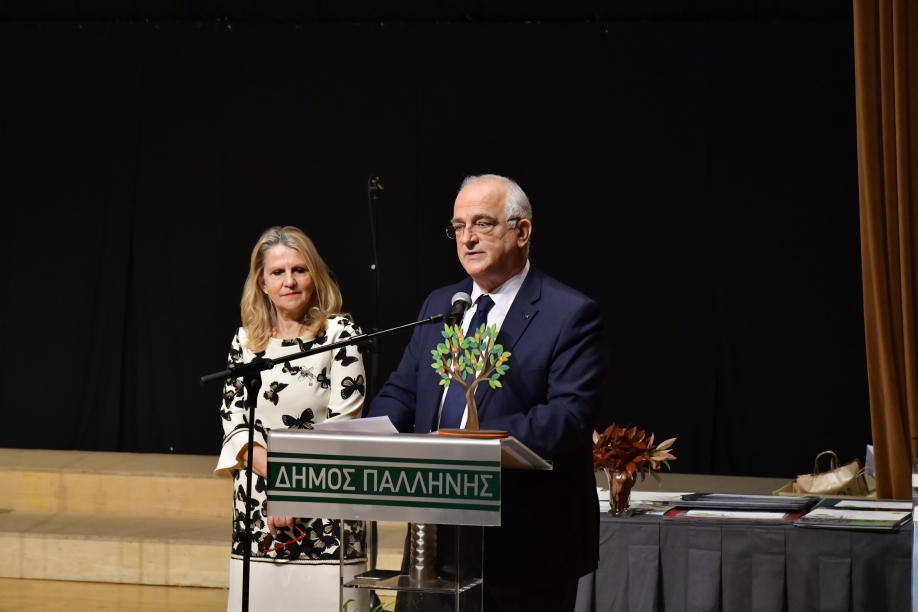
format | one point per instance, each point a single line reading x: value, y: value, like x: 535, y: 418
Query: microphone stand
x: 251, y: 378
x: 373, y: 189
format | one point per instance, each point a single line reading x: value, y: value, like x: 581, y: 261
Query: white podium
x: 421, y: 479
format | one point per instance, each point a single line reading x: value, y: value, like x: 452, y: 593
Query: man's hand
x: 260, y: 458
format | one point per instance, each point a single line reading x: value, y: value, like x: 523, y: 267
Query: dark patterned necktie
x: 454, y: 404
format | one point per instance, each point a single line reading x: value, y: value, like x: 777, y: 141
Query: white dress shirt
x: 503, y: 298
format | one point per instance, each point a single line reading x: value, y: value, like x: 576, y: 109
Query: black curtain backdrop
x: 698, y: 179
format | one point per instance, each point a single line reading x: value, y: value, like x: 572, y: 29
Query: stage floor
x: 17, y: 595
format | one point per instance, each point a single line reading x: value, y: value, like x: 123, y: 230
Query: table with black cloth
x: 648, y: 564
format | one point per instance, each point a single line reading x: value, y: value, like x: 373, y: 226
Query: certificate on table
x: 732, y: 516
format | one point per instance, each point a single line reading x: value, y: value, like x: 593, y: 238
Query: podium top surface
x: 501, y: 453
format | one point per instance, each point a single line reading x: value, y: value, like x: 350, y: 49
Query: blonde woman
x: 290, y: 304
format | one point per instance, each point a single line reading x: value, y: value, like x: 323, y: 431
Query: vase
x: 619, y: 503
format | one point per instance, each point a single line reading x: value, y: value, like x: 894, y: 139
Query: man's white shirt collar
x: 504, y: 295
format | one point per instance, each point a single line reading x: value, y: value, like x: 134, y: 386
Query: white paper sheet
x: 603, y: 495
x: 647, y: 502
x: 740, y: 514
x: 380, y: 425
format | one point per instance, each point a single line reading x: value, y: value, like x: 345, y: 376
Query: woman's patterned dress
x: 329, y: 386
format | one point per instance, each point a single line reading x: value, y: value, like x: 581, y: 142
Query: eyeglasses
x: 479, y: 228
x: 287, y: 543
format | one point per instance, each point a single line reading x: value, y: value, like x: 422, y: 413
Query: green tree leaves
x: 476, y: 355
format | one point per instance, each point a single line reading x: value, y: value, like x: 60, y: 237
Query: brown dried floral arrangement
x: 625, y: 452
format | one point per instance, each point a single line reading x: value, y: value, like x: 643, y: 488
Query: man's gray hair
x: 517, y: 205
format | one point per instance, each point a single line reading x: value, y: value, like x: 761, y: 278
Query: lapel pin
x: 526, y: 315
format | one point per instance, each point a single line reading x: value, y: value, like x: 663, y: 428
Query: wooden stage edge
x: 21, y: 595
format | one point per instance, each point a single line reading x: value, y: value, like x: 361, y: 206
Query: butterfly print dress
x: 294, y: 395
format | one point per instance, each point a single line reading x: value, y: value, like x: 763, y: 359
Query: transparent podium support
x: 439, y: 578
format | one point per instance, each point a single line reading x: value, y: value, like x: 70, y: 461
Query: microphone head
x: 462, y: 296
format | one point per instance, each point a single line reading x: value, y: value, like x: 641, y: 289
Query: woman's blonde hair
x: 259, y: 316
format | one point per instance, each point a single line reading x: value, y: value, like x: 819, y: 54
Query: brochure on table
x: 834, y: 513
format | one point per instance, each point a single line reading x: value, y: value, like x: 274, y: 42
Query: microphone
x: 461, y: 302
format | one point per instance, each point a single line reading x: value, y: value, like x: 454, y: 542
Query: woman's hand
x: 278, y: 522
x: 260, y: 457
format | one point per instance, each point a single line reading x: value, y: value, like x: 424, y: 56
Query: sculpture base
x: 468, y: 433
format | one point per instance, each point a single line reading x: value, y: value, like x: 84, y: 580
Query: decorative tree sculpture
x: 475, y: 355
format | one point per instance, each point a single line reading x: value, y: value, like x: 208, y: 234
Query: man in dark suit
x: 549, y: 534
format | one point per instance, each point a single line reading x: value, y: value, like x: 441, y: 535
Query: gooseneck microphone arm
x: 251, y: 379
x: 260, y: 365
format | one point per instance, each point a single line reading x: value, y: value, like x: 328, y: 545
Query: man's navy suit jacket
x: 549, y: 401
